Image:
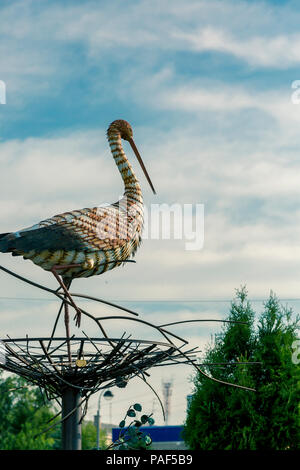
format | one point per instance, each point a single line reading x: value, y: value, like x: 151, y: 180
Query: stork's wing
x: 52, y: 238
x: 99, y: 228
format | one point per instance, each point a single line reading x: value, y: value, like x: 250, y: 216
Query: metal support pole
x: 97, y: 422
x: 71, y: 429
x: 108, y: 395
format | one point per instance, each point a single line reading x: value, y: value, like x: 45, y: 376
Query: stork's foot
x: 77, y: 317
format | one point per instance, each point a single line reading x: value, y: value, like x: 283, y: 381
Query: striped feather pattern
x: 98, y: 238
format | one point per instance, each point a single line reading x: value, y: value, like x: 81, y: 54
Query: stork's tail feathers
x: 6, y: 242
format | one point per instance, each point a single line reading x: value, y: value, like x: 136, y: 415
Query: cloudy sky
x: 208, y: 87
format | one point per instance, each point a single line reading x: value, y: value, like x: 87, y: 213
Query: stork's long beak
x: 133, y: 146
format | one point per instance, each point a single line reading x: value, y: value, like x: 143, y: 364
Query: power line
x: 292, y: 299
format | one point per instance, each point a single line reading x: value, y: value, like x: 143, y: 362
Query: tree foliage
x: 89, y: 436
x: 222, y: 417
x: 24, y: 415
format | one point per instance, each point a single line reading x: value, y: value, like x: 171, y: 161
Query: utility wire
x: 292, y: 299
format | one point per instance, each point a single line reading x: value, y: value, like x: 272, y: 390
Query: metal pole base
x: 71, y: 428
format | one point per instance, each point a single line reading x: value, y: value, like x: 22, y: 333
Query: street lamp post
x: 108, y: 395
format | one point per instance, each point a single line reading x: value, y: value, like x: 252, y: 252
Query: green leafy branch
x: 131, y: 437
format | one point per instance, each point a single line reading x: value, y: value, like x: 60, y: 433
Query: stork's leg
x: 67, y: 283
x: 65, y: 289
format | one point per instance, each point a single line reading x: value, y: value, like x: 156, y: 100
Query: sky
x: 210, y: 89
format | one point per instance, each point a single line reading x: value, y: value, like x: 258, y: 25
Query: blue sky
x: 206, y: 86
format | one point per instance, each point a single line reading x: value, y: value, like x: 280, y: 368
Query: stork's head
x: 124, y: 129
x: 121, y: 127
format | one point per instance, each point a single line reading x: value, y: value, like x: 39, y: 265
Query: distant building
x: 163, y: 437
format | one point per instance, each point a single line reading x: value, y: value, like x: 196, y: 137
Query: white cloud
x: 36, y: 48
x: 278, y: 51
x: 197, y: 96
x: 200, y: 26
x: 54, y: 174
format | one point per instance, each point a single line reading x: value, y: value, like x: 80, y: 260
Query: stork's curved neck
x: 132, y: 186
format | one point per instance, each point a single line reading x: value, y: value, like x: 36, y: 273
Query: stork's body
x: 89, y: 241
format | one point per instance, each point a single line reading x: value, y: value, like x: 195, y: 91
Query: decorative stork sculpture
x: 90, y: 241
